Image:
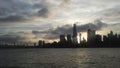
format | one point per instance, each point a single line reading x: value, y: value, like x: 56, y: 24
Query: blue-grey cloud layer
x: 17, y: 10
x: 41, y: 18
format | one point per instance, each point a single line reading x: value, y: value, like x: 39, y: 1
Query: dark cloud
x: 12, y: 18
x: 39, y: 32
x: 61, y: 10
x: 67, y: 29
x: 111, y: 12
x: 53, y: 34
x: 81, y: 28
x: 44, y: 12
x: 10, y: 38
x: 18, y: 37
x: 111, y: 15
x: 19, y: 10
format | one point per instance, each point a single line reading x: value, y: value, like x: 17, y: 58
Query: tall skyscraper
x: 75, y: 39
x: 74, y: 30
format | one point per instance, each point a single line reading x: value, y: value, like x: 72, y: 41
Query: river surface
x: 60, y: 58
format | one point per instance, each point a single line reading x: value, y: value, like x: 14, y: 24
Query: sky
x: 33, y: 20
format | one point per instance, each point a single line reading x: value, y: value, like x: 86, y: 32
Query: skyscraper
x: 75, y: 39
x: 80, y: 38
x: 74, y: 30
x: 91, y: 35
x: 41, y: 43
x: 62, y: 38
x: 69, y: 38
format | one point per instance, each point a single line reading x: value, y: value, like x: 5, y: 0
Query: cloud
x: 53, y: 34
x: 9, y: 38
x: 16, y: 10
x: 12, y: 18
x: 62, y: 12
x: 18, y: 37
x: 100, y: 27
x: 50, y: 34
x: 44, y: 12
x: 67, y: 29
x: 112, y: 27
x: 110, y: 15
x: 22, y: 10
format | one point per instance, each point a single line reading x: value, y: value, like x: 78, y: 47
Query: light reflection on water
x: 60, y: 58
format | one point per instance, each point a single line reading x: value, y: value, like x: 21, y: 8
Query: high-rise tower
x: 75, y: 39
x: 62, y: 38
x: 91, y: 35
x: 74, y: 30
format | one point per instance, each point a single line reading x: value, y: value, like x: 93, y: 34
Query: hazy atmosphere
x: 33, y: 20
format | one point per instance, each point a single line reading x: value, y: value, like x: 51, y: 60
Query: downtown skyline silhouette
x: 72, y: 41
x: 59, y: 33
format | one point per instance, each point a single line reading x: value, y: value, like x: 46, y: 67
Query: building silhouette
x: 91, y: 36
x: 62, y: 38
x: 75, y: 38
x: 69, y: 38
x: 74, y: 30
x: 80, y: 36
x: 98, y: 40
x: 41, y: 43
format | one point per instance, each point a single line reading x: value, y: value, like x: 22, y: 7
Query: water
x: 60, y: 58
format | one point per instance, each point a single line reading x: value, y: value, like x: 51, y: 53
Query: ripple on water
x: 60, y: 58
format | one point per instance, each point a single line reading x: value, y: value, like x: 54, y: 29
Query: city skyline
x: 73, y: 40
x: 60, y: 33
x: 32, y: 20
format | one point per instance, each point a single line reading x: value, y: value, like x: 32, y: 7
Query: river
x: 60, y: 58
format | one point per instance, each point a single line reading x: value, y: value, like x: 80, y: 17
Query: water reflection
x: 60, y: 58
x: 101, y: 58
